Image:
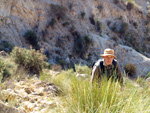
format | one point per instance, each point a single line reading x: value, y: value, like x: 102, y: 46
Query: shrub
x: 87, y: 40
x: 59, y: 11
x: 135, y: 24
x: 92, y: 21
x: 116, y: 1
x: 100, y: 7
x: 32, y: 60
x: 81, y: 45
x: 65, y: 23
x: 3, y: 70
x: 52, y: 22
x: 31, y: 37
x: 130, y: 5
x: 124, y: 27
x: 130, y: 69
x: 6, y: 46
x: 61, y: 61
x: 82, y: 15
x: 7, y: 68
x: 99, y: 26
x: 70, y: 5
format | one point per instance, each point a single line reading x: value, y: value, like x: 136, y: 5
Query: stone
x: 27, y: 90
x: 148, y: 79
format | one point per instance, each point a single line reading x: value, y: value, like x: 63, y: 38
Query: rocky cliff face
x: 59, y: 24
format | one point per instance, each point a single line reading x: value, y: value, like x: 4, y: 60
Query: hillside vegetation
x: 65, y: 92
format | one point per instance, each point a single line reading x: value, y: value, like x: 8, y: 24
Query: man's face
x: 108, y: 59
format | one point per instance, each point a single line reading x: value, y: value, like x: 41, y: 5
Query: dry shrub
x: 32, y: 60
x: 59, y: 11
x: 130, y: 69
x: 7, y: 68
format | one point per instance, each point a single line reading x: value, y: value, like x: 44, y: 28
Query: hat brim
x: 108, y: 55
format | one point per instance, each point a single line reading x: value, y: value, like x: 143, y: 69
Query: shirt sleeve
x: 120, y: 77
x: 95, y: 74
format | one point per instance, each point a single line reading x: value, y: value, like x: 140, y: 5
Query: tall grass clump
x: 31, y: 60
x: 80, y: 96
x: 105, y: 98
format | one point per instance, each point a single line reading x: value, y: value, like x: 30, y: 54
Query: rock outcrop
x: 28, y: 96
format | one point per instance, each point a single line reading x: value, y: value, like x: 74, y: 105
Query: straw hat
x: 108, y: 52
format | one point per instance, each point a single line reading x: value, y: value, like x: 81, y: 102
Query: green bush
x: 130, y: 5
x: 92, y: 20
x: 81, y: 45
x: 130, y: 69
x: 124, y: 27
x: 59, y: 11
x: 52, y: 22
x: 31, y: 37
x: 7, y: 68
x: 99, y: 26
x: 82, y: 15
x: 135, y: 24
x: 6, y: 46
x: 61, y: 61
x: 32, y: 60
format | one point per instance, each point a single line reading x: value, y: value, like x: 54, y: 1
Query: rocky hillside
x: 40, y: 97
x: 82, y: 29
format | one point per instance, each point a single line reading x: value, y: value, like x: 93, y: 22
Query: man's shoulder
x: 115, y: 61
x: 97, y: 63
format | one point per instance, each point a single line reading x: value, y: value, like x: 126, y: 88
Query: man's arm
x: 95, y: 74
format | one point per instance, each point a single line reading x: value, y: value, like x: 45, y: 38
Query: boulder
x: 148, y: 79
x: 126, y: 55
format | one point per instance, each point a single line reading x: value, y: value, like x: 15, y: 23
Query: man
x: 107, y: 67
